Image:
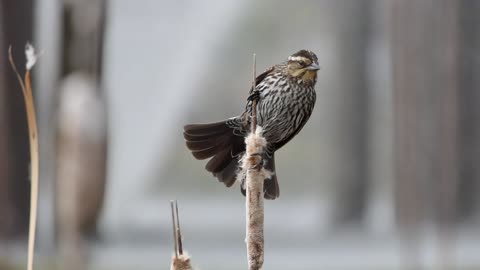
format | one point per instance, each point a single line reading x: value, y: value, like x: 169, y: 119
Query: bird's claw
x: 257, y: 160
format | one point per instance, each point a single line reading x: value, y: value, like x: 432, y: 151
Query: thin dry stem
x: 174, y: 226
x: 179, y: 231
x: 33, y: 136
x: 254, y: 101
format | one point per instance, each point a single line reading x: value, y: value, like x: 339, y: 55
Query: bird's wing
x: 259, y: 79
x: 254, y: 95
x: 279, y: 144
x: 303, y: 121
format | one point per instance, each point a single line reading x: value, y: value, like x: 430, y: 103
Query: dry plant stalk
x: 255, y: 175
x: 180, y: 260
x: 33, y: 136
x: 254, y: 198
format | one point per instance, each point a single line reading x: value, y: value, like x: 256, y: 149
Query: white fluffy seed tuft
x: 255, y: 143
x: 31, y: 56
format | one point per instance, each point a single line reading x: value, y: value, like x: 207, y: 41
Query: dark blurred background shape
x: 425, y: 39
x: 468, y: 109
x: 385, y: 175
x: 16, y: 29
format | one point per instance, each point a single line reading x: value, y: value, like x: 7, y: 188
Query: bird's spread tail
x: 218, y: 142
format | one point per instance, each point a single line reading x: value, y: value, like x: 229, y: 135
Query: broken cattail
x: 180, y: 260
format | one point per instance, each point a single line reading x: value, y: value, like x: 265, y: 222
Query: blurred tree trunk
x: 351, y: 112
x: 469, y: 189
x: 437, y: 97
x: 425, y: 64
x: 425, y: 84
x: 16, y: 31
x: 6, y: 205
x: 380, y: 215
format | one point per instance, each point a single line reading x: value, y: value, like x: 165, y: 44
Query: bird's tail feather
x: 218, y: 142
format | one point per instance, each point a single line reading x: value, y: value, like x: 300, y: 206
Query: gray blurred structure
x: 469, y: 110
x: 5, y: 201
x: 350, y: 108
x: 380, y: 215
x: 426, y: 61
x: 81, y: 139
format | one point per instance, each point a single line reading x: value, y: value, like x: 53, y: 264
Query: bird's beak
x: 313, y: 67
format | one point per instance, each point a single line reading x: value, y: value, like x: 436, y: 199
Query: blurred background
x: 386, y: 174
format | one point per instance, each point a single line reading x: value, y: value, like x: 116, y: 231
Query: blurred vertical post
x: 446, y: 84
x: 425, y: 52
x: 407, y: 69
x: 16, y: 26
x: 81, y: 132
x: 469, y: 111
x: 6, y: 205
x: 381, y: 205
x: 349, y: 113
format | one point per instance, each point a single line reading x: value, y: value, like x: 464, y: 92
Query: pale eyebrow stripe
x: 298, y: 58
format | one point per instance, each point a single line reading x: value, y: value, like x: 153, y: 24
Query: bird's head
x: 302, y: 66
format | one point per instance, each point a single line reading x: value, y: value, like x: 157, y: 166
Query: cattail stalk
x: 255, y: 175
x: 180, y: 260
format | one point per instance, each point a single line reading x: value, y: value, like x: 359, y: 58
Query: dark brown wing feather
x: 303, y: 121
x: 218, y: 142
x: 262, y: 76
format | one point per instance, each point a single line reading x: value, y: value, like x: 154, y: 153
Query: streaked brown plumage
x: 285, y: 97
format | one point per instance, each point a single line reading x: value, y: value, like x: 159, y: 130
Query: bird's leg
x: 257, y: 160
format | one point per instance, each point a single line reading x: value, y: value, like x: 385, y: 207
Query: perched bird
x: 285, y: 96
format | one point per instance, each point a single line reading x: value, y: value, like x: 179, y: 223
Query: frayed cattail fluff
x: 255, y: 144
x: 182, y: 262
x: 255, y: 174
x: 31, y: 56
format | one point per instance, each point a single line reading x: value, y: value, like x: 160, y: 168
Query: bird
x: 285, y: 97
